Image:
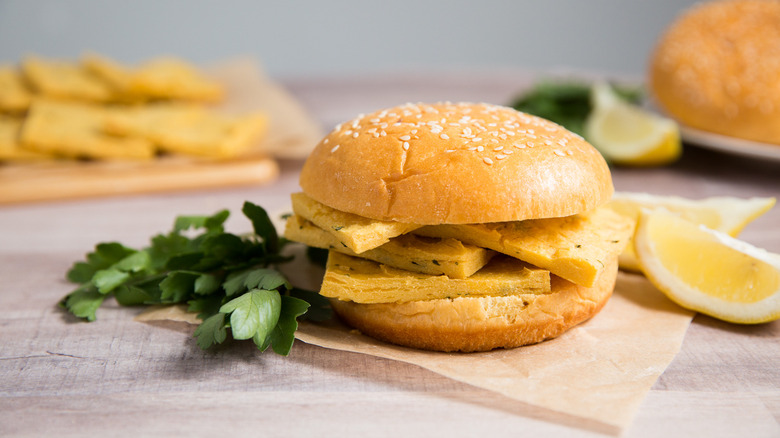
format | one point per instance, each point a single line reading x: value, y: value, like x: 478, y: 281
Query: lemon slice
x: 627, y: 134
x: 722, y: 213
x: 708, y: 271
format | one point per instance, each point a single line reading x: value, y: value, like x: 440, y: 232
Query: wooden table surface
x: 59, y: 376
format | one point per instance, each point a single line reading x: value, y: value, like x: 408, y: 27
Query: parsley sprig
x: 229, y: 280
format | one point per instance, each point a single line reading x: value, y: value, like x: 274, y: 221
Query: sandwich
x: 459, y: 226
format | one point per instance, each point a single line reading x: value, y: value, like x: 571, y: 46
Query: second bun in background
x: 717, y: 69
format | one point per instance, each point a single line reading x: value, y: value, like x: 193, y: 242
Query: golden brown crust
x: 455, y: 163
x: 717, y: 68
x: 470, y: 324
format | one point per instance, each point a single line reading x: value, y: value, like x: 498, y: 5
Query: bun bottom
x: 470, y: 324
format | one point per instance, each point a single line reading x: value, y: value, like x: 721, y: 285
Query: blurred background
x: 322, y: 38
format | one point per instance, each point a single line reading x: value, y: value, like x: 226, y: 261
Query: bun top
x: 455, y: 163
x: 717, y: 68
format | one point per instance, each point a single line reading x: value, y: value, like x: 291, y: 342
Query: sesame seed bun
x: 717, y: 68
x: 455, y: 163
x: 469, y: 324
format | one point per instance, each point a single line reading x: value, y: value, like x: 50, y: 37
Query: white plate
x: 730, y: 144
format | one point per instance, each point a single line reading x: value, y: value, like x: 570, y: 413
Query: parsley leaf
x: 282, y: 336
x: 132, y: 295
x: 211, y: 331
x: 207, y: 284
x: 267, y: 279
x: 178, y: 286
x: 254, y: 314
x: 205, y: 307
x: 210, y: 223
x: 319, y: 309
x: 83, y: 302
x: 262, y: 225
x: 230, y: 280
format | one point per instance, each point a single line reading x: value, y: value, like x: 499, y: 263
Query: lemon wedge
x: 627, y: 134
x: 708, y: 271
x: 722, y: 213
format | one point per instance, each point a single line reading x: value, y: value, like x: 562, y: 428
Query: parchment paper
x: 599, y: 371
x: 292, y: 132
x: 596, y: 375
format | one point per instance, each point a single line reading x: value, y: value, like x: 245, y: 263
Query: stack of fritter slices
x: 373, y: 261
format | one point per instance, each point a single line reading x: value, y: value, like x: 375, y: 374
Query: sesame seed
x: 445, y: 137
x: 355, y: 135
x: 548, y: 142
x: 498, y: 148
x: 559, y: 153
x: 476, y: 139
x: 405, y: 138
x: 406, y: 145
x: 487, y: 160
x: 348, y: 132
x: 326, y: 141
x: 480, y: 149
x: 335, y: 148
x: 500, y: 156
x: 414, y: 131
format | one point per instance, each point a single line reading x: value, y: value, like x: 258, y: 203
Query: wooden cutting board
x: 69, y: 180
x: 291, y: 134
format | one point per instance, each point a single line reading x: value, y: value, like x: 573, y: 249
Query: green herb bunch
x: 567, y: 103
x: 229, y: 280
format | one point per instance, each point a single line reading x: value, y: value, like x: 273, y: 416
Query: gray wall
x: 310, y: 37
